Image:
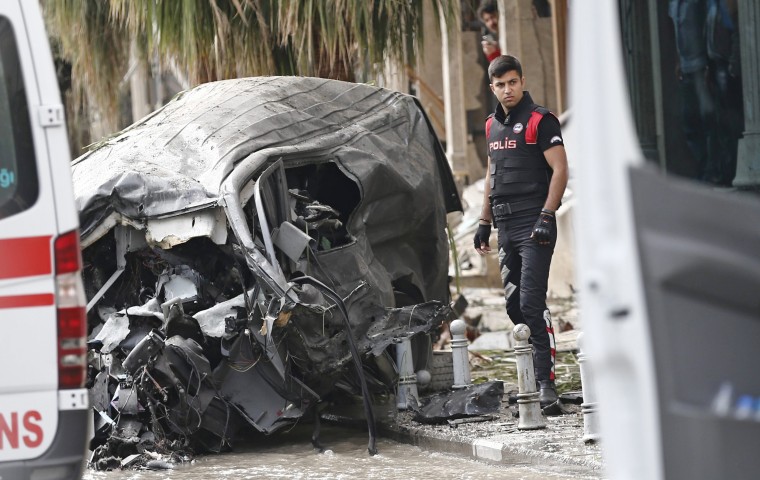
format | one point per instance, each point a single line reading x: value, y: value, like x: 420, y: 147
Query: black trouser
x: 525, y: 275
x: 698, y: 117
x: 729, y: 119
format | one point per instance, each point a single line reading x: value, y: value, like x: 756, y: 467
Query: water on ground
x: 291, y: 456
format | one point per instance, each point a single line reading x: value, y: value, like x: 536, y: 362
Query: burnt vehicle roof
x: 177, y: 158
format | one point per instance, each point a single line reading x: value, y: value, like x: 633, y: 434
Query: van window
x: 18, y: 165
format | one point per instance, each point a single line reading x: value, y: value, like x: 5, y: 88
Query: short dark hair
x: 503, y: 64
x: 487, y: 6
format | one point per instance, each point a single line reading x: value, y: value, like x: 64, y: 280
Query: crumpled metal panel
x: 177, y: 159
x: 250, y: 383
x: 212, y: 320
x: 114, y: 331
x: 317, y: 342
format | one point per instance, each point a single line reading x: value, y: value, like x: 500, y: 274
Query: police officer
x: 526, y: 178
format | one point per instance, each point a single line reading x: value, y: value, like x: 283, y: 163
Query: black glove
x: 545, y: 228
x: 481, y: 236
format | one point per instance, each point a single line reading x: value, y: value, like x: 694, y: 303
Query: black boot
x: 547, y: 394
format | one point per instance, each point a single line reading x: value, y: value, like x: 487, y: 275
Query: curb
x: 505, y: 449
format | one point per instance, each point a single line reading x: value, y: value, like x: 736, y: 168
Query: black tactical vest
x: 518, y: 168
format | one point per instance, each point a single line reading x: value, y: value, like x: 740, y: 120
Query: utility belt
x: 502, y: 210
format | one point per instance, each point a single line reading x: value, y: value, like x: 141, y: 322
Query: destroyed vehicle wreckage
x: 252, y: 250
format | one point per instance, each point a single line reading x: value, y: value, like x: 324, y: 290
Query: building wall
x: 530, y: 39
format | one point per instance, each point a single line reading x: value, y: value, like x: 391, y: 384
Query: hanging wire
x: 371, y: 427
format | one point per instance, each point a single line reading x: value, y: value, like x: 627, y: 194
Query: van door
x: 669, y: 271
x: 41, y: 360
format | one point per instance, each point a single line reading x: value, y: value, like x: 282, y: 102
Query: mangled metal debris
x: 253, y: 250
x: 472, y: 401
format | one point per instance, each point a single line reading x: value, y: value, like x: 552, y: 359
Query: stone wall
x: 529, y: 38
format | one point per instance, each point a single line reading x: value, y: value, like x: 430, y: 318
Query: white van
x: 43, y: 407
x: 668, y: 265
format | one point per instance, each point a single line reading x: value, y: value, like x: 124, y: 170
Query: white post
x: 527, y: 398
x: 407, y: 380
x: 460, y: 356
x: 588, y: 407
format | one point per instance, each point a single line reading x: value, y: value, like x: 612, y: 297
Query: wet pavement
x: 498, y: 441
x: 290, y: 456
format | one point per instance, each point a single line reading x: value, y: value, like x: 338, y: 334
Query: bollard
x: 588, y: 407
x: 424, y: 377
x: 460, y: 356
x: 407, y: 380
x: 527, y: 398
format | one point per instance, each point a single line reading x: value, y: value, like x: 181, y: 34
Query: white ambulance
x: 43, y: 405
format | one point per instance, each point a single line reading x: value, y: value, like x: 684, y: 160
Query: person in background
x: 525, y: 179
x: 698, y: 105
x: 724, y: 81
x: 488, y: 13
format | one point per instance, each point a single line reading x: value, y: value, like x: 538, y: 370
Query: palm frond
x: 217, y: 39
x: 95, y: 45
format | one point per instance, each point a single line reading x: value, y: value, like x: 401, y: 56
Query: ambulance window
x: 18, y: 165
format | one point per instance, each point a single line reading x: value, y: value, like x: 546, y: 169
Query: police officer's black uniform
x: 520, y: 177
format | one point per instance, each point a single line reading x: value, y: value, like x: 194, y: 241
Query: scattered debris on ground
x: 471, y: 401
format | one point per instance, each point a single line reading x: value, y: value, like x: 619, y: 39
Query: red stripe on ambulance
x: 22, y: 301
x: 25, y: 257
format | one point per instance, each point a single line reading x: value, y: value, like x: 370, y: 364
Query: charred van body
x: 251, y: 250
